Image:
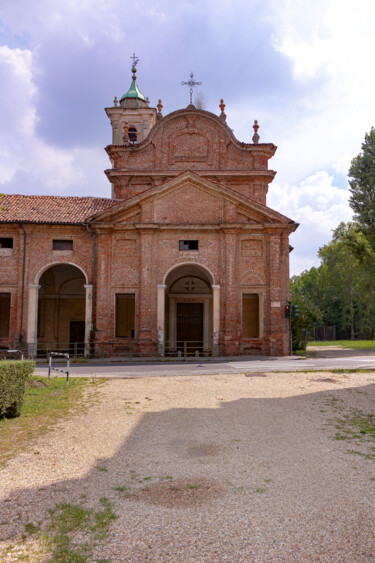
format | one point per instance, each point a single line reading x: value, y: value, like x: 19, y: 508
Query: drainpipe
x: 23, y: 284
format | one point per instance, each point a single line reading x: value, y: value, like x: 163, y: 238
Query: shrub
x: 13, y: 376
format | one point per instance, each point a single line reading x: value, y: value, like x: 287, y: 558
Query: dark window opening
x: 132, y: 135
x: 4, y: 314
x: 6, y: 242
x: 250, y: 315
x: 125, y: 314
x: 62, y: 245
x: 188, y: 244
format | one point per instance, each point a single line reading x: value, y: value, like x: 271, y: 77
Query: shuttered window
x: 250, y: 315
x: 4, y: 314
x: 125, y: 314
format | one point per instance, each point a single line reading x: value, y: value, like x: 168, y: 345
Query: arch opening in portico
x: 59, y: 312
x: 186, y: 311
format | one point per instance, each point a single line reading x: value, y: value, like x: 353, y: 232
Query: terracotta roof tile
x: 50, y: 209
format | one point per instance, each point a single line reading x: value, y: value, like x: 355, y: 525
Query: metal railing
x: 129, y: 348
x: 52, y: 368
x: 14, y: 352
x: 187, y: 348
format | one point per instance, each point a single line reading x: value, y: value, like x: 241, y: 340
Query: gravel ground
x: 219, y: 468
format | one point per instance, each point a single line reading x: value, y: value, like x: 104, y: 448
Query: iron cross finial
x: 191, y: 83
x: 135, y: 59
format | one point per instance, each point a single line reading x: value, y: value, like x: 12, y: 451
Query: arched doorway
x: 62, y: 309
x: 186, y: 317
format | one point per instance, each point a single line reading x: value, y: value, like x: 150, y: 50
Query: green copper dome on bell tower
x: 133, y: 97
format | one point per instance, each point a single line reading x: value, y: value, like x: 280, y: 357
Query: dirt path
x: 208, y: 468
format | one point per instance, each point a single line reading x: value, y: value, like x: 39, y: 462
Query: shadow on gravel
x: 250, y: 473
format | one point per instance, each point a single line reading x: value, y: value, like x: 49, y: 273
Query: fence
x: 126, y: 349
x: 324, y: 333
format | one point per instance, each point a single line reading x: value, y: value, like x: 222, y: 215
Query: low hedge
x: 13, y: 376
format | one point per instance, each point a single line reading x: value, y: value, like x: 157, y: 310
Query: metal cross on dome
x: 191, y: 83
x: 135, y: 59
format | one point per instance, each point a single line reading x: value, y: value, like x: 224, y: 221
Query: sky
x: 303, y: 68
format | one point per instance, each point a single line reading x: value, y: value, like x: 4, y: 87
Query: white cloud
x: 39, y: 167
x: 318, y: 206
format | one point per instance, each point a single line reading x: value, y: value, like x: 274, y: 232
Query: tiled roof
x: 50, y: 209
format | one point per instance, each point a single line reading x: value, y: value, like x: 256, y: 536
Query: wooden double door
x: 190, y: 326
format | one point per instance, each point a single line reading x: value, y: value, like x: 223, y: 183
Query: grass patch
x: 301, y: 353
x: 355, y: 344
x: 74, y: 530
x: 45, y: 403
x: 358, y: 426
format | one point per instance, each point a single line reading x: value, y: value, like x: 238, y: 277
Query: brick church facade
x: 184, y: 258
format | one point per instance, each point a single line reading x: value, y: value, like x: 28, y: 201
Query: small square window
x: 6, y: 242
x: 62, y: 245
x: 188, y: 244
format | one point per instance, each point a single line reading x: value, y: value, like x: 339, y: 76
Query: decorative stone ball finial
x: 160, y: 107
x: 255, y: 136
x: 115, y: 102
x: 125, y: 138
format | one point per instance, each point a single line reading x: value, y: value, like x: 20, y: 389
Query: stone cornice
x: 264, y: 228
x: 172, y: 173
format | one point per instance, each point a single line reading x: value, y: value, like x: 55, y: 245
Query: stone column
x: 206, y: 326
x: 261, y: 315
x: 172, y: 323
x: 161, y: 318
x: 32, y: 320
x: 88, y: 318
x: 215, y: 319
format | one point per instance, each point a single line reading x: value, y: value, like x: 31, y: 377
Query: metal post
x: 49, y: 366
x: 291, y: 335
x: 67, y: 371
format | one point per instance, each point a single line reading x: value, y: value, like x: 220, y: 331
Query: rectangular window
x: 125, y: 314
x: 62, y: 244
x: 188, y: 244
x: 6, y: 242
x: 250, y: 315
x: 4, y: 314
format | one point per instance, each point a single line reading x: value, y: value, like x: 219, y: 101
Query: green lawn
x: 354, y: 344
x: 45, y: 403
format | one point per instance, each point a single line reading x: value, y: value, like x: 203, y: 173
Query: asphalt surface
x: 361, y: 359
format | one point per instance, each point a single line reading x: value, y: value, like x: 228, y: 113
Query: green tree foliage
x: 304, y: 290
x: 362, y: 187
x: 342, y: 287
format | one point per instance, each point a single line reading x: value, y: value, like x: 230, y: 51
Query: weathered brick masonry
x: 185, y: 256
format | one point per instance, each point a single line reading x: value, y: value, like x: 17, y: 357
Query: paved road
x: 149, y: 369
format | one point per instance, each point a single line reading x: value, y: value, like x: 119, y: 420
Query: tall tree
x: 342, y: 288
x: 362, y: 187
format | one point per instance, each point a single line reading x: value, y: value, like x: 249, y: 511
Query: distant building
x: 185, y: 257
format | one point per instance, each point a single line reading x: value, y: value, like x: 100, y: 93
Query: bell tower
x: 131, y: 118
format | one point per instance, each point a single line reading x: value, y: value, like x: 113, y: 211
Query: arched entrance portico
x: 59, y: 314
x: 188, y: 312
